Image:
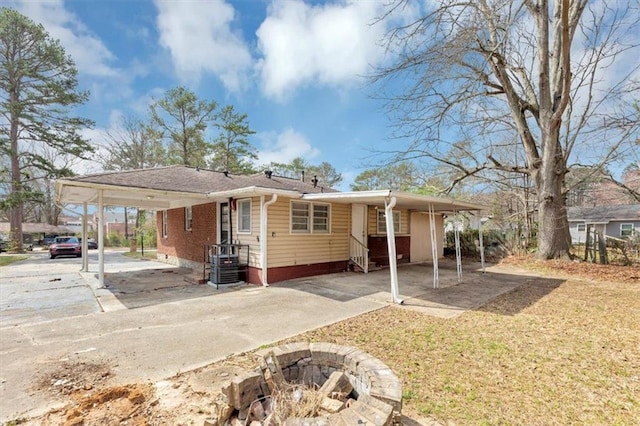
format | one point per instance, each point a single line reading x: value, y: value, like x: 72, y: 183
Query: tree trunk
x: 17, y: 208
x: 554, y: 239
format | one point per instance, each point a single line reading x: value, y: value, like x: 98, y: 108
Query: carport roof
x: 403, y: 200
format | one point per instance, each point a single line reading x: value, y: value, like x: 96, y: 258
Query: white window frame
x: 188, y: 218
x: 383, y: 222
x: 165, y: 224
x: 631, y: 231
x: 323, y: 230
x: 310, y: 222
x: 240, y: 206
x: 581, y: 225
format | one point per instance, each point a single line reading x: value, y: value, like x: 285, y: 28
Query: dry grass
x: 549, y: 352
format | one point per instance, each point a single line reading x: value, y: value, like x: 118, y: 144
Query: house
x: 289, y: 228
x: 618, y: 221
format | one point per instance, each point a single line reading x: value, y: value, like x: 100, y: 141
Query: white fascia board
x: 354, y: 196
x: 455, y: 204
x: 61, y: 184
x: 252, y: 191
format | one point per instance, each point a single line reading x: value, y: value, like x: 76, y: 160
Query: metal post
x: 101, y: 237
x: 456, y: 235
x: 481, y: 246
x: 85, y: 243
x: 391, y: 246
x: 434, y: 246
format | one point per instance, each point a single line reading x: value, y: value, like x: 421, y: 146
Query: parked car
x: 65, y: 246
x: 91, y: 243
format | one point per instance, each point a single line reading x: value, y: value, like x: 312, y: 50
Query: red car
x: 65, y: 246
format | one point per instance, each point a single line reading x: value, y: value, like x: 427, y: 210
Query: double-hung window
x: 581, y: 227
x: 244, y: 216
x: 382, y: 222
x: 626, y: 229
x: 310, y: 218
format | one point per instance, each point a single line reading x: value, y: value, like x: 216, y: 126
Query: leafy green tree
x: 232, y: 151
x: 38, y: 86
x: 183, y: 119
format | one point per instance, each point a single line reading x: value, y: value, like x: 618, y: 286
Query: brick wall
x: 189, y: 243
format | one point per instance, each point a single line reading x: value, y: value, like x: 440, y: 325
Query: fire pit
x: 349, y: 386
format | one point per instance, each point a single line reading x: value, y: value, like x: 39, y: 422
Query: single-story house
x: 615, y: 221
x: 282, y: 228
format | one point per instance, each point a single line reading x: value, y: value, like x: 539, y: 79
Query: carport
x: 419, y: 204
x: 124, y: 194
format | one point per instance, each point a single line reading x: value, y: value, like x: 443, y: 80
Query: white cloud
x: 331, y: 44
x: 284, y: 147
x: 200, y: 39
x: 91, y: 56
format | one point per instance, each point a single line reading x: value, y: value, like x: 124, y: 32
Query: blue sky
x: 296, y: 68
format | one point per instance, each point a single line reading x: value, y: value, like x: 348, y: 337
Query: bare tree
x: 474, y: 79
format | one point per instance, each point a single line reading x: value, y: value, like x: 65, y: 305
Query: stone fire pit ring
x: 376, y: 389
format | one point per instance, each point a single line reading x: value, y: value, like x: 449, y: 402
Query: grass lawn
x: 7, y: 259
x: 549, y: 352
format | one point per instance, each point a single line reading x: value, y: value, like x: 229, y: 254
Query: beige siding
x: 372, y: 221
x: 289, y: 249
x: 252, y: 239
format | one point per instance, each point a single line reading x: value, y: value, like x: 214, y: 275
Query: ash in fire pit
x: 313, y: 384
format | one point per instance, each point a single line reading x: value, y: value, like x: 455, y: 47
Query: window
x: 165, y: 223
x: 188, y: 218
x: 581, y: 227
x: 244, y: 216
x: 300, y: 217
x: 310, y: 218
x: 382, y: 222
x: 626, y: 229
x: 320, y: 217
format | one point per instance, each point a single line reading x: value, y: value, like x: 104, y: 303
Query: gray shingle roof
x: 604, y: 214
x: 200, y: 181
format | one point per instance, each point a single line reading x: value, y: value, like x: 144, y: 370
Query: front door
x: 358, y: 216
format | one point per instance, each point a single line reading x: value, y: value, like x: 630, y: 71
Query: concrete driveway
x: 155, y: 325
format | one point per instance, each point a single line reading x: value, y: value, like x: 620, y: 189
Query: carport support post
x: 456, y: 237
x: 481, y: 246
x: 101, y: 237
x: 85, y: 245
x: 434, y: 246
x: 391, y: 244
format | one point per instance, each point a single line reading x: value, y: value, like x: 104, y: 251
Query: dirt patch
x: 70, y: 377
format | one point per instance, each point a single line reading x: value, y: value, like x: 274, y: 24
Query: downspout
x: 389, y: 204
x: 100, y: 238
x: 85, y: 243
x: 263, y: 236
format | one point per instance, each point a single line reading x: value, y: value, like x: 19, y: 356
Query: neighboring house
x: 291, y: 228
x: 618, y: 221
